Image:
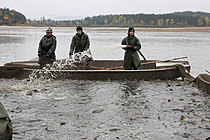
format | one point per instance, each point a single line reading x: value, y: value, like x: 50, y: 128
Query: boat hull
x: 146, y: 72
x: 10, y: 73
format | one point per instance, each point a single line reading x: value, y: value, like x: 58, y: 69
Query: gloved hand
x: 39, y: 54
x: 131, y: 47
x: 47, y: 55
x: 128, y: 47
x: 70, y: 55
x: 135, y: 48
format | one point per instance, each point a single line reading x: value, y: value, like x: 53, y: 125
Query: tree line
x: 11, y: 17
x: 176, y: 19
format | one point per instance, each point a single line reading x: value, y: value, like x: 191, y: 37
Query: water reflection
x: 11, y: 40
x: 129, y: 88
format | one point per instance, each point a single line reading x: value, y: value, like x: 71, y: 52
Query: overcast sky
x: 82, y: 8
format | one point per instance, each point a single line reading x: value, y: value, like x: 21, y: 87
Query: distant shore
x: 175, y: 29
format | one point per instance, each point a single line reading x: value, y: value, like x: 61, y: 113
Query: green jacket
x: 131, y: 56
x: 79, y: 43
x: 5, y: 124
x: 47, y: 46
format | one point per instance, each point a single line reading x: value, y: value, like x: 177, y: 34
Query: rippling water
x: 71, y: 109
x: 106, y: 109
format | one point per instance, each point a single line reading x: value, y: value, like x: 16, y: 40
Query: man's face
x: 49, y: 33
x: 131, y: 33
x: 79, y: 32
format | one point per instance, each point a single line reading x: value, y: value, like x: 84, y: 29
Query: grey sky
x: 83, y: 8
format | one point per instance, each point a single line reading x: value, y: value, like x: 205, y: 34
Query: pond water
x: 73, y: 109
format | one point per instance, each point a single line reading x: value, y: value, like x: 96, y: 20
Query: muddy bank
x: 106, y: 109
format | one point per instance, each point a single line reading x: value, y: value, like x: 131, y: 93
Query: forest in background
x: 176, y: 19
x: 11, y: 17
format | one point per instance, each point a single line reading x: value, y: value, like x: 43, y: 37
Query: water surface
x: 72, y: 109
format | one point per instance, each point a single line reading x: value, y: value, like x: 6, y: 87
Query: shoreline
x: 145, y: 29
x: 177, y: 29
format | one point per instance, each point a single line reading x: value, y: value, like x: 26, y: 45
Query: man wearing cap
x: 47, y: 46
x: 131, y: 57
x: 80, y: 42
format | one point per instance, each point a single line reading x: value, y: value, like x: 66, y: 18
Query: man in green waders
x: 80, y: 42
x: 131, y: 57
x: 80, y: 45
x: 5, y: 124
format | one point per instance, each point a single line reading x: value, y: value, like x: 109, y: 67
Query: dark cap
x: 131, y: 29
x: 79, y: 28
x: 49, y: 30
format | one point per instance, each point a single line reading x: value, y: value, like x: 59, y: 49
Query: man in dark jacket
x: 47, y: 46
x: 131, y: 57
x: 80, y: 42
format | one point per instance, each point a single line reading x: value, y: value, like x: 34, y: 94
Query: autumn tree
x: 105, y: 22
x: 206, y: 21
x: 172, y: 22
x: 167, y: 21
x: 200, y: 22
x: 11, y: 17
x: 152, y: 22
x: 160, y: 22
x: 142, y: 23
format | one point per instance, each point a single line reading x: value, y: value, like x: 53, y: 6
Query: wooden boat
x: 150, y: 71
x: 203, y: 82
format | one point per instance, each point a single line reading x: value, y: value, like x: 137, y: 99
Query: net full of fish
x: 78, y: 61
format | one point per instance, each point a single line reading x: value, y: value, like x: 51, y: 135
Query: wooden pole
x: 167, y: 60
x: 207, y: 71
x: 146, y: 63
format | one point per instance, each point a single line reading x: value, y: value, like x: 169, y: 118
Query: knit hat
x: 131, y: 29
x: 49, y: 30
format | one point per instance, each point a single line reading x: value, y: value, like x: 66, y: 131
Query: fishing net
x: 78, y: 61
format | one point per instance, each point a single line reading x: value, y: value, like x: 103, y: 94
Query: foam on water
x: 42, y: 79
